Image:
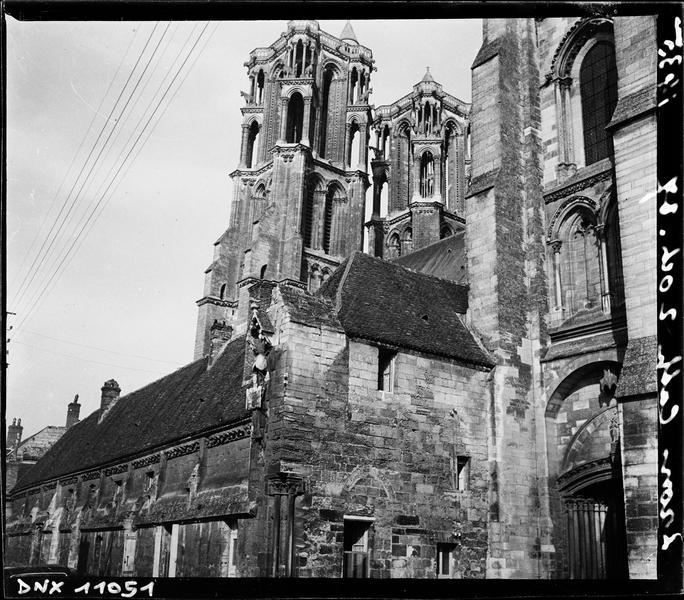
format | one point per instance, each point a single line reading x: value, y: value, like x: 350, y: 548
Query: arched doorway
x: 585, y: 474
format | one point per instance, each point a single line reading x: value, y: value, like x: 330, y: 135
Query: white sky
x: 124, y: 305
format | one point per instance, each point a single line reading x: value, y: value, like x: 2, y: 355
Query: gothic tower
x: 299, y: 190
x: 419, y: 170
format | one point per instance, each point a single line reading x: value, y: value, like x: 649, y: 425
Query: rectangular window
x: 444, y: 559
x: 356, y: 548
x: 386, y: 360
x: 463, y: 472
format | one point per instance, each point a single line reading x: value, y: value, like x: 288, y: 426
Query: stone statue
x: 261, y: 347
x: 363, y: 99
x: 308, y: 72
x: 247, y: 96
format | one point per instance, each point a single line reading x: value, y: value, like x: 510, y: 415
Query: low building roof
x: 185, y: 403
x: 445, y: 259
x: 385, y: 303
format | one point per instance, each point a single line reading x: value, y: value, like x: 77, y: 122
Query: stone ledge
x: 482, y: 182
x: 633, y: 106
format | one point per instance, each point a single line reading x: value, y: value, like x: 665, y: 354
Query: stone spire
x: 428, y: 76
x: 348, y: 33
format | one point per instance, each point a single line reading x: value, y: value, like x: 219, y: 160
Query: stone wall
x: 386, y: 456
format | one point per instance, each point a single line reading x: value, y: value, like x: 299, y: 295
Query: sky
x: 113, y: 207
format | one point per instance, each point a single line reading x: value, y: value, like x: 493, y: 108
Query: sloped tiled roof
x: 186, y: 402
x: 638, y: 375
x: 445, y: 259
x: 388, y: 304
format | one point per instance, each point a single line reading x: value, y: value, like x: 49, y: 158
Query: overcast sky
x: 121, y: 304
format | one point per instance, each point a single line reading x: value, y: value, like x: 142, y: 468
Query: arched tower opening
x: 295, y: 118
x: 252, y: 145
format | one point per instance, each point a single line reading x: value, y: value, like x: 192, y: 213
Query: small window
x: 356, y: 548
x: 386, y: 359
x: 222, y: 292
x: 444, y: 559
x: 463, y: 471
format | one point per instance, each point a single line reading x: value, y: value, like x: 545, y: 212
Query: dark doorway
x: 595, y: 532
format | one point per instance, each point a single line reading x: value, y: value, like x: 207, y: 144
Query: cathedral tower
x: 299, y: 190
x: 419, y: 170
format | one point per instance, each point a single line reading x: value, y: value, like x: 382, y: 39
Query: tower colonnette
x: 299, y: 190
x: 419, y: 170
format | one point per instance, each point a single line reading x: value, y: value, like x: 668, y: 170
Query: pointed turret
x: 428, y: 76
x: 348, y: 34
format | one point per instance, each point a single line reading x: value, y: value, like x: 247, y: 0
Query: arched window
x: 295, y: 118
x: 353, y: 81
x: 402, y: 174
x: 354, y: 145
x: 580, y: 267
x: 407, y: 241
x: 260, y: 87
x: 262, y: 272
x: 333, y: 201
x: 258, y: 202
x: 252, y: 144
x: 328, y: 76
x: 598, y: 89
x: 299, y: 59
x: 222, y: 292
x: 393, y: 246
x: 427, y: 175
x: 327, y: 219
x: 385, y: 142
x: 308, y: 210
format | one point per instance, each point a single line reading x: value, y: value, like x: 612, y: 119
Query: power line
x: 73, y: 160
x: 44, y: 290
x: 56, y: 339
x: 97, y: 362
x: 31, y: 270
x: 95, y: 164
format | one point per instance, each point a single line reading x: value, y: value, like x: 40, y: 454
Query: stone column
x: 283, y: 119
x: 603, y: 263
x: 243, y: 148
x: 347, y: 145
x: 306, y: 122
x: 363, y: 150
x: 556, y: 246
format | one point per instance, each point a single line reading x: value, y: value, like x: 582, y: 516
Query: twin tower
x: 300, y: 203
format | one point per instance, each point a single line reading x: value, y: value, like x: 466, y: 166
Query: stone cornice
x: 216, y: 302
x: 584, y: 178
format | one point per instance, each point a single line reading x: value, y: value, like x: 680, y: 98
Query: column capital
x: 556, y: 245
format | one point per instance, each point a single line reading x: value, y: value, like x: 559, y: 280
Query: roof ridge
x: 343, y: 279
x: 397, y: 265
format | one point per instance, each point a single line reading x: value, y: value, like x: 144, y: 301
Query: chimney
x: 14, y: 432
x: 110, y: 395
x: 73, y: 411
x: 220, y: 336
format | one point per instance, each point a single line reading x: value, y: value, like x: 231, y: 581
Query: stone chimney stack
x: 73, y: 412
x: 14, y: 432
x: 110, y: 396
x: 220, y: 336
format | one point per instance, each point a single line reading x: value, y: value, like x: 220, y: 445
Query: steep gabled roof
x: 385, y: 303
x: 185, y: 403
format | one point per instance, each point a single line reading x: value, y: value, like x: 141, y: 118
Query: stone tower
x: 419, y: 170
x: 299, y: 191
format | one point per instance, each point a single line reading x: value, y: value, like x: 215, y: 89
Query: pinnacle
x: 428, y: 75
x: 348, y: 33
